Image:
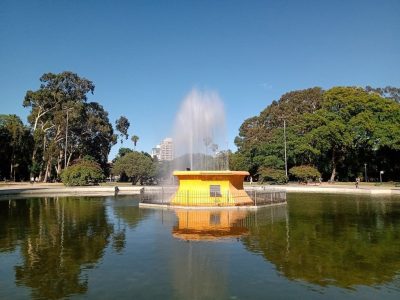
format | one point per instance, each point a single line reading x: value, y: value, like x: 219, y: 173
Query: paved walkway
x: 332, y: 188
x: 46, y: 189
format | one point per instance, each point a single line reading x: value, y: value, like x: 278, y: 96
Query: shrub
x: 84, y: 172
x: 305, y: 173
x: 274, y: 175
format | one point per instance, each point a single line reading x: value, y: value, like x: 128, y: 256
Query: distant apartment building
x: 164, y: 151
x: 155, y: 152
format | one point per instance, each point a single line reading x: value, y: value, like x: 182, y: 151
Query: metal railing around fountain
x: 170, y: 196
x: 265, y: 197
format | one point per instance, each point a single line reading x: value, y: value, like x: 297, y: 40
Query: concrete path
x: 53, y: 189
x: 331, y: 188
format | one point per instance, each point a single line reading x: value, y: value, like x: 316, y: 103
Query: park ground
x: 108, y: 188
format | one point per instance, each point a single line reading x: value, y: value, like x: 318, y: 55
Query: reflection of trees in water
x: 127, y: 215
x: 58, y: 237
x: 199, y: 269
x: 343, y: 242
x: 13, y: 222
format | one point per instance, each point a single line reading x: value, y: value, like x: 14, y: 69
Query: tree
x: 122, y: 125
x: 331, y: 136
x: 134, y: 139
x: 290, y: 107
x: 352, y: 125
x: 262, y: 136
x: 52, y: 106
x: 389, y: 92
x: 65, y: 127
x: 15, y: 148
x: 337, y: 131
x: 122, y: 152
x: 136, y: 166
x: 91, y: 134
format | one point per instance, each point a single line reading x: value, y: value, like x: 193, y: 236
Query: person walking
x: 357, y: 182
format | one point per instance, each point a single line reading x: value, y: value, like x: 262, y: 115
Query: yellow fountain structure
x: 211, y: 188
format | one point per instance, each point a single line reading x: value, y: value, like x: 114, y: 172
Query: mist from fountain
x: 200, y: 133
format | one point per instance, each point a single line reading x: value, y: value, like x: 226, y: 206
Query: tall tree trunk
x: 59, y: 162
x: 40, y: 174
x: 12, y: 171
x: 333, y: 166
x: 48, y: 169
x: 69, y: 159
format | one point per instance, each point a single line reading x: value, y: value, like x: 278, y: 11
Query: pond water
x: 104, y: 247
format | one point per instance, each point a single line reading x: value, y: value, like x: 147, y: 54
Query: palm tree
x: 134, y: 139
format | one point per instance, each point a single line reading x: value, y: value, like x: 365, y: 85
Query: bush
x: 84, y: 172
x: 305, y: 173
x: 274, y: 175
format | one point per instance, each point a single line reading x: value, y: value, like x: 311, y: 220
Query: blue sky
x: 145, y: 56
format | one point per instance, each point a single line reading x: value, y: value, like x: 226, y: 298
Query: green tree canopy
x: 338, y: 131
x: 136, y: 166
x: 122, y: 125
x: 15, y: 148
x: 65, y: 127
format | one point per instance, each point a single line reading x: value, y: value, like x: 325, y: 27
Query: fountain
x: 201, y: 166
x: 199, y: 133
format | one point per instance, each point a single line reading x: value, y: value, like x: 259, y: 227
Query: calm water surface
x: 104, y: 247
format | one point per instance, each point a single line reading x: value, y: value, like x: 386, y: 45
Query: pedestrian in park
x: 357, y: 182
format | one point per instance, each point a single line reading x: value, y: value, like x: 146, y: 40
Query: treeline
x: 63, y: 129
x: 337, y: 134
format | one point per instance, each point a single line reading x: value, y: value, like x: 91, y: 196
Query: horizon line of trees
x: 63, y: 128
x: 338, y: 134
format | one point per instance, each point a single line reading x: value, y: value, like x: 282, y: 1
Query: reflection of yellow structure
x: 211, y: 188
x: 209, y: 224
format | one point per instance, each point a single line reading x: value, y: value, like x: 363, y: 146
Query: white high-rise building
x: 167, y: 149
x: 155, y: 152
x: 164, y: 151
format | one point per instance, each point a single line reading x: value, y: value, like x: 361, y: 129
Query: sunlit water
x: 101, y: 248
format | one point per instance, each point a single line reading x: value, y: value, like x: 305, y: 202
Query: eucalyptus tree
x: 92, y: 134
x: 65, y: 127
x: 122, y: 125
x: 389, y: 92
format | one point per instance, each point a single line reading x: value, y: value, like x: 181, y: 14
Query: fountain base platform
x: 211, y: 188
